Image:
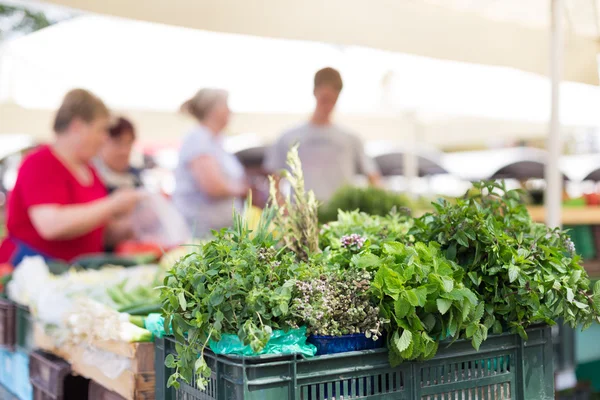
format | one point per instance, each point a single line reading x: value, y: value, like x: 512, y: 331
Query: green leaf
x: 170, y: 361
x: 402, y: 343
x: 401, y: 307
x: 513, y: 273
x: 451, y: 251
x: 471, y: 329
x: 497, y: 327
x: 443, y: 305
x: 417, y: 297
x: 448, y: 284
x: 475, y: 278
x: 283, y: 307
x: 478, y: 312
x: 182, y: 301
x: 575, y: 276
x: 462, y: 239
x: 367, y: 261
x: 570, y: 295
x: 429, y: 322
x: 394, y: 357
x: 477, y: 339
x: 580, y: 305
x: 172, y: 382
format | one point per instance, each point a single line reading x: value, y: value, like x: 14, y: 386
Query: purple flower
x: 570, y: 246
x: 353, y: 240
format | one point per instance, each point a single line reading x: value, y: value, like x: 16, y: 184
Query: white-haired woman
x: 209, y: 180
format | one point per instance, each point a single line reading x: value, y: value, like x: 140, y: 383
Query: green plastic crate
x: 506, y: 367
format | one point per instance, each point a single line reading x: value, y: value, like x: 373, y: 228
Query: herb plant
x: 235, y: 283
x: 297, y: 220
x: 422, y: 295
x: 337, y: 303
x: 525, y: 273
x: 375, y: 229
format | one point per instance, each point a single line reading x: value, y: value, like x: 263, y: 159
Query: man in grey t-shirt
x: 331, y: 156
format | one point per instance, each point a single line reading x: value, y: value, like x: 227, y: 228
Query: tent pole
x: 565, y: 376
x: 410, y: 158
x: 553, y: 176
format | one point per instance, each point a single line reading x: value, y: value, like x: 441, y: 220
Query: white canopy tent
x: 508, y: 33
x: 135, y: 67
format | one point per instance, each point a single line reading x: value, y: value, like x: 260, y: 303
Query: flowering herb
x: 353, y: 242
x: 296, y: 219
x: 337, y: 304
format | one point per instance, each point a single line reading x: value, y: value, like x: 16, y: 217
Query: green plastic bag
x: 290, y: 342
x: 155, y: 323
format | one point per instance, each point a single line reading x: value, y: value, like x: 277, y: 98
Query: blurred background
x: 442, y: 92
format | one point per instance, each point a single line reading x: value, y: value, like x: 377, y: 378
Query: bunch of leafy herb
x: 337, y: 303
x: 370, y: 200
x: 375, y: 229
x: 296, y: 220
x: 236, y: 283
x: 422, y: 295
x: 525, y: 273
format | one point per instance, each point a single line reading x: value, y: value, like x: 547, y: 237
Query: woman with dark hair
x: 113, y: 161
x: 59, y: 208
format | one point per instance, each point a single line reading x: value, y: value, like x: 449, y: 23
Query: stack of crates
x: 15, y: 344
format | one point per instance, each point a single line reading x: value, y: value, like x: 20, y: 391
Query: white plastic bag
x: 156, y: 220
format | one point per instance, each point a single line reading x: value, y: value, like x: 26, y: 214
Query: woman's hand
x: 123, y: 201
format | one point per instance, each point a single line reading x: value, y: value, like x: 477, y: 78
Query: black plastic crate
x: 7, y: 324
x: 506, y: 367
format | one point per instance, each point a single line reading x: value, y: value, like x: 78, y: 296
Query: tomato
x: 132, y: 248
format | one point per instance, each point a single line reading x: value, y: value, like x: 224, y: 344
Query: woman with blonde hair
x: 59, y: 207
x: 209, y: 180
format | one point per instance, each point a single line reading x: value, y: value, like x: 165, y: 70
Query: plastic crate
x: 99, y: 392
x: 14, y: 374
x: 24, y: 332
x: 506, y: 367
x: 47, y: 374
x: 7, y: 324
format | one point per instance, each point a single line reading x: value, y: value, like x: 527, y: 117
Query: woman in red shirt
x: 59, y: 207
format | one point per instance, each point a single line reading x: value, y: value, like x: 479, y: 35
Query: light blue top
x: 202, y: 212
